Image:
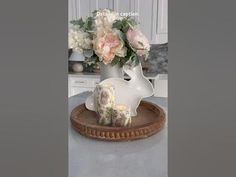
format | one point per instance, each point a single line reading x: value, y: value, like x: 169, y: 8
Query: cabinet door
x: 153, y: 18
x: 161, y: 86
x: 122, y: 5
x: 71, y: 10
x: 84, y: 8
x: 104, y: 4
x: 147, y: 10
x: 162, y: 26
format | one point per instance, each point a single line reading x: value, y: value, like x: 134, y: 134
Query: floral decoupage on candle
x: 108, y: 111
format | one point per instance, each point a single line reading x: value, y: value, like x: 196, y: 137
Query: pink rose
x: 108, y: 44
x: 138, y: 41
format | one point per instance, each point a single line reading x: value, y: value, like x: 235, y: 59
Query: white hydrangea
x: 79, y: 40
x: 105, y: 18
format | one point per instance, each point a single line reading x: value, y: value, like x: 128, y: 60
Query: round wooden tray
x: 150, y: 120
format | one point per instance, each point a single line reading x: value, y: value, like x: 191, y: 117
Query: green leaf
x: 94, y: 12
x: 110, y: 112
x: 124, y: 24
x: 131, y: 22
x: 125, y: 27
x: 136, y: 61
x: 132, y: 57
x: 115, y: 61
x: 79, y: 22
x: 122, y: 62
x: 122, y: 36
x: 88, y: 23
x: 117, y: 24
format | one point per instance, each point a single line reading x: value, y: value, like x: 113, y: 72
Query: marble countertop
x: 97, y: 75
x: 85, y: 74
x: 140, y: 158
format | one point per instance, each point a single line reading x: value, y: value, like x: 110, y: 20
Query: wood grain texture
x: 150, y: 120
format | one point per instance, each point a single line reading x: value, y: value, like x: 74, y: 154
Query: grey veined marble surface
x: 140, y: 158
x: 157, y: 60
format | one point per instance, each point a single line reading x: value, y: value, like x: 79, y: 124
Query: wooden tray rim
x: 109, y: 129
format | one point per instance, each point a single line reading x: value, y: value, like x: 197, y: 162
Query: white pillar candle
x: 121, y: 116
x: 104, y: 102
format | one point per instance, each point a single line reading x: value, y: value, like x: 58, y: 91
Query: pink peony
x: 108, y: 44
x: 138, y: 41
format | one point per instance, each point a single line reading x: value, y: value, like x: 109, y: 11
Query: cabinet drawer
x: 83, y: 82
x: 80, y: 82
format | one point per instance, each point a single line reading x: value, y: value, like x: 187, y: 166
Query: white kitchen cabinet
x: 147, y: 10
x: 153, y: 18
x: 161, y: 85
x: 152, y: 14
x: 78, y: 83
x: 162, y: 25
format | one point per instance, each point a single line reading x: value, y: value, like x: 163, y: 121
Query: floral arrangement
x: 109, y: 38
